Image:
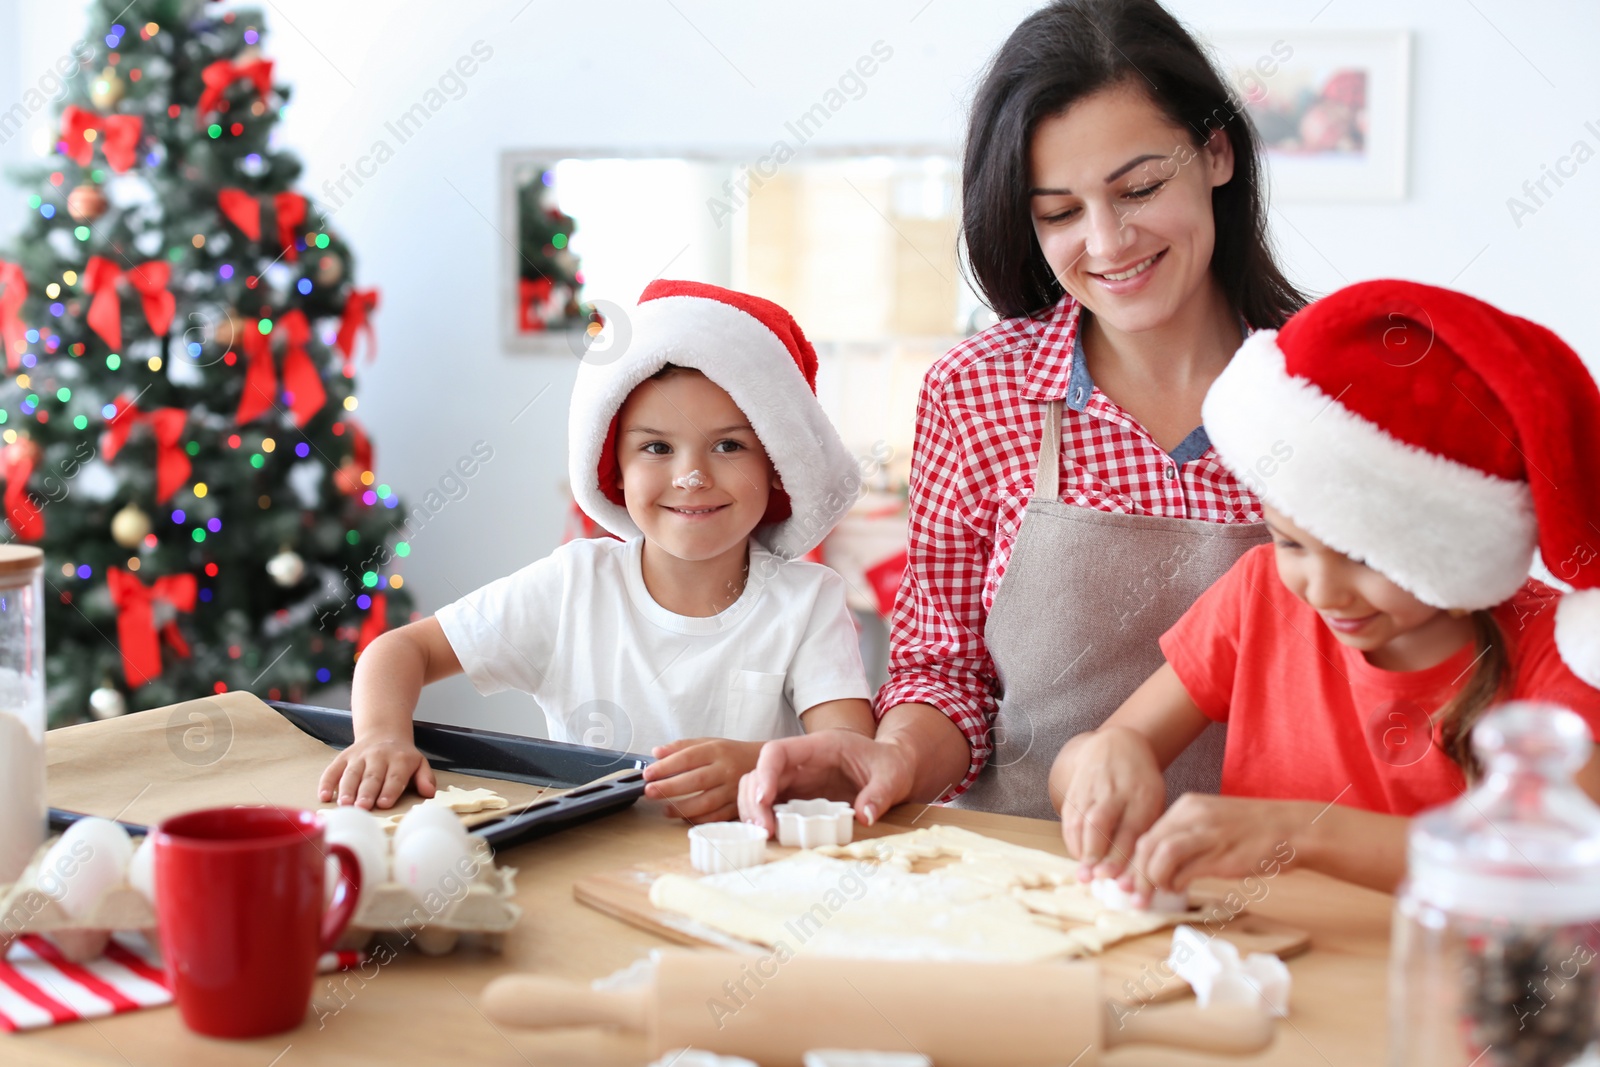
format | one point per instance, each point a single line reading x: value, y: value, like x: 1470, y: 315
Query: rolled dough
x: 977, y: 898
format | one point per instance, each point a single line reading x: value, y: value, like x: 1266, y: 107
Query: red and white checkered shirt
x: 979, y: 420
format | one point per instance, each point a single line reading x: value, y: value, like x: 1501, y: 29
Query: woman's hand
x: 374, y: 772
x: 872, y: 775
x: 1108, y: 788
x: 699, y: 777
x: 1205, y: 836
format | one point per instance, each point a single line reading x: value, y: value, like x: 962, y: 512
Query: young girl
x: 697, y: 636
x: 1404, y: 439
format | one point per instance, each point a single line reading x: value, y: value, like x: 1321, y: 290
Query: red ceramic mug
x: 239, y: 901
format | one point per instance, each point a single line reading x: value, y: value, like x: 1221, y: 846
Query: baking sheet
x: 215, y: 752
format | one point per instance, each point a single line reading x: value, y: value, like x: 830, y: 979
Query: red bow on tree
x: 13, y: 291
x: 357, y: 307
x: 224, y: 72
x: 136, y: 620
x: 172, y: 462
x: 360, y: 445
x: 244, y: 211
x: 117, y: 135
x: 300, y: 377
x: 21, y: 512
x: 375, y: 623
x: 148, y: 279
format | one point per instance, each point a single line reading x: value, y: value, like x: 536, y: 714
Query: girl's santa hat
x: 1436, y: 438
x: 754, y: 350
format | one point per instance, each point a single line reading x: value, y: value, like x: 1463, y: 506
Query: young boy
x: 697, y: 636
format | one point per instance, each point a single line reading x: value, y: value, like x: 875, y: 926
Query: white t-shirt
x: 613, y: 669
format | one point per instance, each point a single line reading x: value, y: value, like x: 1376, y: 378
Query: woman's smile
x: 1128, y: 279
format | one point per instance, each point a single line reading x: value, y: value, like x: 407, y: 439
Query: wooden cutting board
x: 1132, y: 971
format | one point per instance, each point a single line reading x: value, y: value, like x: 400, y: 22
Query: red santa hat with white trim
x: 1432, y: 436
x: 755, y: 351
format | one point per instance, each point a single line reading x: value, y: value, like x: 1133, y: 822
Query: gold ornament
x: 226, y: 330
x: 107, y: 89
x: 347, y: 479
x: 329, y: 271
x: 130, y: 526
x: 86, y: 203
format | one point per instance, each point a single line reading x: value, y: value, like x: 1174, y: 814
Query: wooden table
x: 419, y: 1010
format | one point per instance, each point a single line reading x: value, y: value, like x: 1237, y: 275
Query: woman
x: 1066, y: 506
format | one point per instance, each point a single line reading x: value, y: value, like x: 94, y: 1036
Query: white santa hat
x: 1435, y: 438
x: 752, y: 349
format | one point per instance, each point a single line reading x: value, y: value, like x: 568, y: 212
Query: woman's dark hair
x: 1056, y: 57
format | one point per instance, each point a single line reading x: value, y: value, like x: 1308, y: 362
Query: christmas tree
x: 181, y: 331
x: 549, y: 277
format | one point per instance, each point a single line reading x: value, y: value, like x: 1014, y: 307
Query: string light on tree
x: 172, y: 313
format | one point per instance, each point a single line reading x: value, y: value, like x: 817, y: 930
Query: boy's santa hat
x: 754, y: 350
x: 1435, y: 438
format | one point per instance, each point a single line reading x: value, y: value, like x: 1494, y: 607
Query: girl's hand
x: 375, y: 771
x: 1109, y: 790
x: 709, y: 768
x: 838, y: 764
x: 1204, y: 836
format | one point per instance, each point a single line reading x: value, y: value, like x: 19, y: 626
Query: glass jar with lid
x: 1496, y: 950
x: 22, y: 708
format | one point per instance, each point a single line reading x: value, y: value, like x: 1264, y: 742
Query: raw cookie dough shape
x: 461, y: 801
x: 989, y: 900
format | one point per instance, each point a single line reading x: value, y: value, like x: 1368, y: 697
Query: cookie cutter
x: 718, y: 847
x: 814, y: 823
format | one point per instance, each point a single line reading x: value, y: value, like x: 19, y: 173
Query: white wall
x: 1499, y: 88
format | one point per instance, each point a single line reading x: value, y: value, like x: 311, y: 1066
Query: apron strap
x: 1047, y: 476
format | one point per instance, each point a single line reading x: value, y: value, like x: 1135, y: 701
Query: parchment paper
x: 215, y: 752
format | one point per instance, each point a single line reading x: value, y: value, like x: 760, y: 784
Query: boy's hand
x: 375, y: 771
x: 709, y: 767
x: 1108, y: 787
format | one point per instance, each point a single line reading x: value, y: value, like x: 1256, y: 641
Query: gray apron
x: 1074, y: 628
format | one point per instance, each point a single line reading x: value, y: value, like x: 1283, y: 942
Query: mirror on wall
x: 860, y: 244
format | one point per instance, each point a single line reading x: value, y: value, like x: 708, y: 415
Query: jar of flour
x: 22, y: 711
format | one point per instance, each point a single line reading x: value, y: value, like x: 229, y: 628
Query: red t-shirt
x: 1310, y: 719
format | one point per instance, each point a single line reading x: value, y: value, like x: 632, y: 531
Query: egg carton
x: 486, y: 910
x: 25, y: 909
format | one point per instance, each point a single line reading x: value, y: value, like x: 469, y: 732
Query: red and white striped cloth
x: 40, y: 987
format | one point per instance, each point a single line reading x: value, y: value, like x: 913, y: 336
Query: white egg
x: 142, y: 869
x: 372, y: 859
x: 432, y: 817
x: 90, y: 858
x: 432, y: 861
x: 102, y: 834
x: 350, y: 823
x: 361, y: 832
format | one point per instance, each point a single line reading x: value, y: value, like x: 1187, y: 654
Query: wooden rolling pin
x: 773, y: 1012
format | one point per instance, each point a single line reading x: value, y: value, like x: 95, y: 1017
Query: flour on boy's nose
x: 693, y: 480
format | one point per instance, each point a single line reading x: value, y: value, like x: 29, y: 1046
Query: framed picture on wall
x: 1332, y: 108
